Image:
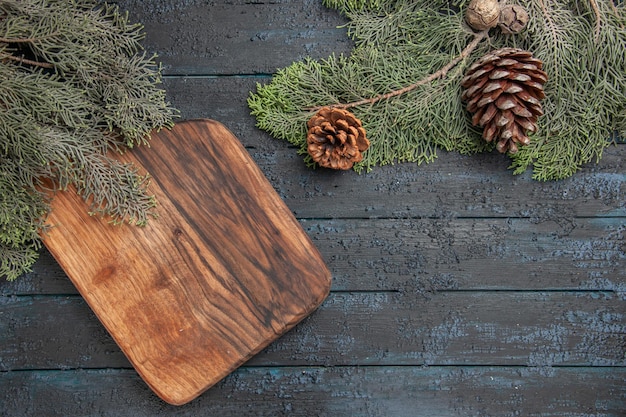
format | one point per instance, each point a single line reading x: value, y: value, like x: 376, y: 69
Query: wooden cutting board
x: 223, y: 271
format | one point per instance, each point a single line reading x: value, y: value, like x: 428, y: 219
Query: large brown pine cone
x: 503, y: 90
x: 336, y: 138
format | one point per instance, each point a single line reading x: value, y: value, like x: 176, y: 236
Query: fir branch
x: 75, y: 88
x: 26, y: 61
x: 347, y: 6
x: 400, y: 41
x: 596, y: 12
x: 616, y: 12
x: 585, y: 91
x: 21, y: 218
x: 23, y: 40
x: 441, y: 73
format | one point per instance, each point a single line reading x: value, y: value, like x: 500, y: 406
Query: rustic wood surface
x: 458, y: 289
x: 222, y: 272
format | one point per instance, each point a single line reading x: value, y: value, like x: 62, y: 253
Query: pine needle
x: 75, y: 87
x: 391, y: 82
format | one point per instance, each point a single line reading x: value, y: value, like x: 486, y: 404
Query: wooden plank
x: 441, y: 254
x: 335, y: 391
x: 29, y: 332
x: 222, y: 98
x: 234, y: 37
x: 356, y: 329
x: 473, y: 254
x: 484, y: 188
x: 224, y: 270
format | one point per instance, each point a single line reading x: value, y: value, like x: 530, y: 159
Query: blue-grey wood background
x: 458, y: 288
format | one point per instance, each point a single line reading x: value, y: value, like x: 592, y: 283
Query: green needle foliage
x: 75, y: 88
x: 400, y: 42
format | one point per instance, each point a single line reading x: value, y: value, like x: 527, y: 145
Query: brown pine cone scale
x: 503, y: 91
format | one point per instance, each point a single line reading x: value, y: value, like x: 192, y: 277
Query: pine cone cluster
x: 336, y: 138
x: 503, y: 90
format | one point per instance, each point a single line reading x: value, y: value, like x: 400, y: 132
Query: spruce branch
x: 400, y: 41
x: 552, y: 27
x: 75, y: 90
x: 24, y: 40
x: 616, y: 12
x: 441, y: 73
x: 596, y: 12
x: 22, y: 60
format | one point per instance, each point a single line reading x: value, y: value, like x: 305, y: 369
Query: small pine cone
x: 336, y: 138
x: 513, y: 19
x: 503, y: 90
x: 482, y: 14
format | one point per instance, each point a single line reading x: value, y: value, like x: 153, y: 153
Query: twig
x: 28, y: 40
x: 614, y: 8
x: 551, y: 25
x: 17, y: 40
x: 439, y: 74
x: 26, y: 61
x: 22, y: 59
x: 596, y: 11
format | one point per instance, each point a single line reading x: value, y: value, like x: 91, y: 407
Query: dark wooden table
x: 458, y: 288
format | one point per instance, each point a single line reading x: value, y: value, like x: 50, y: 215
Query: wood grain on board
x: 224, y: 270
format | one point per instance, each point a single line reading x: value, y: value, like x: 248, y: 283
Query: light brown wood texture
x: 223, y: 271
